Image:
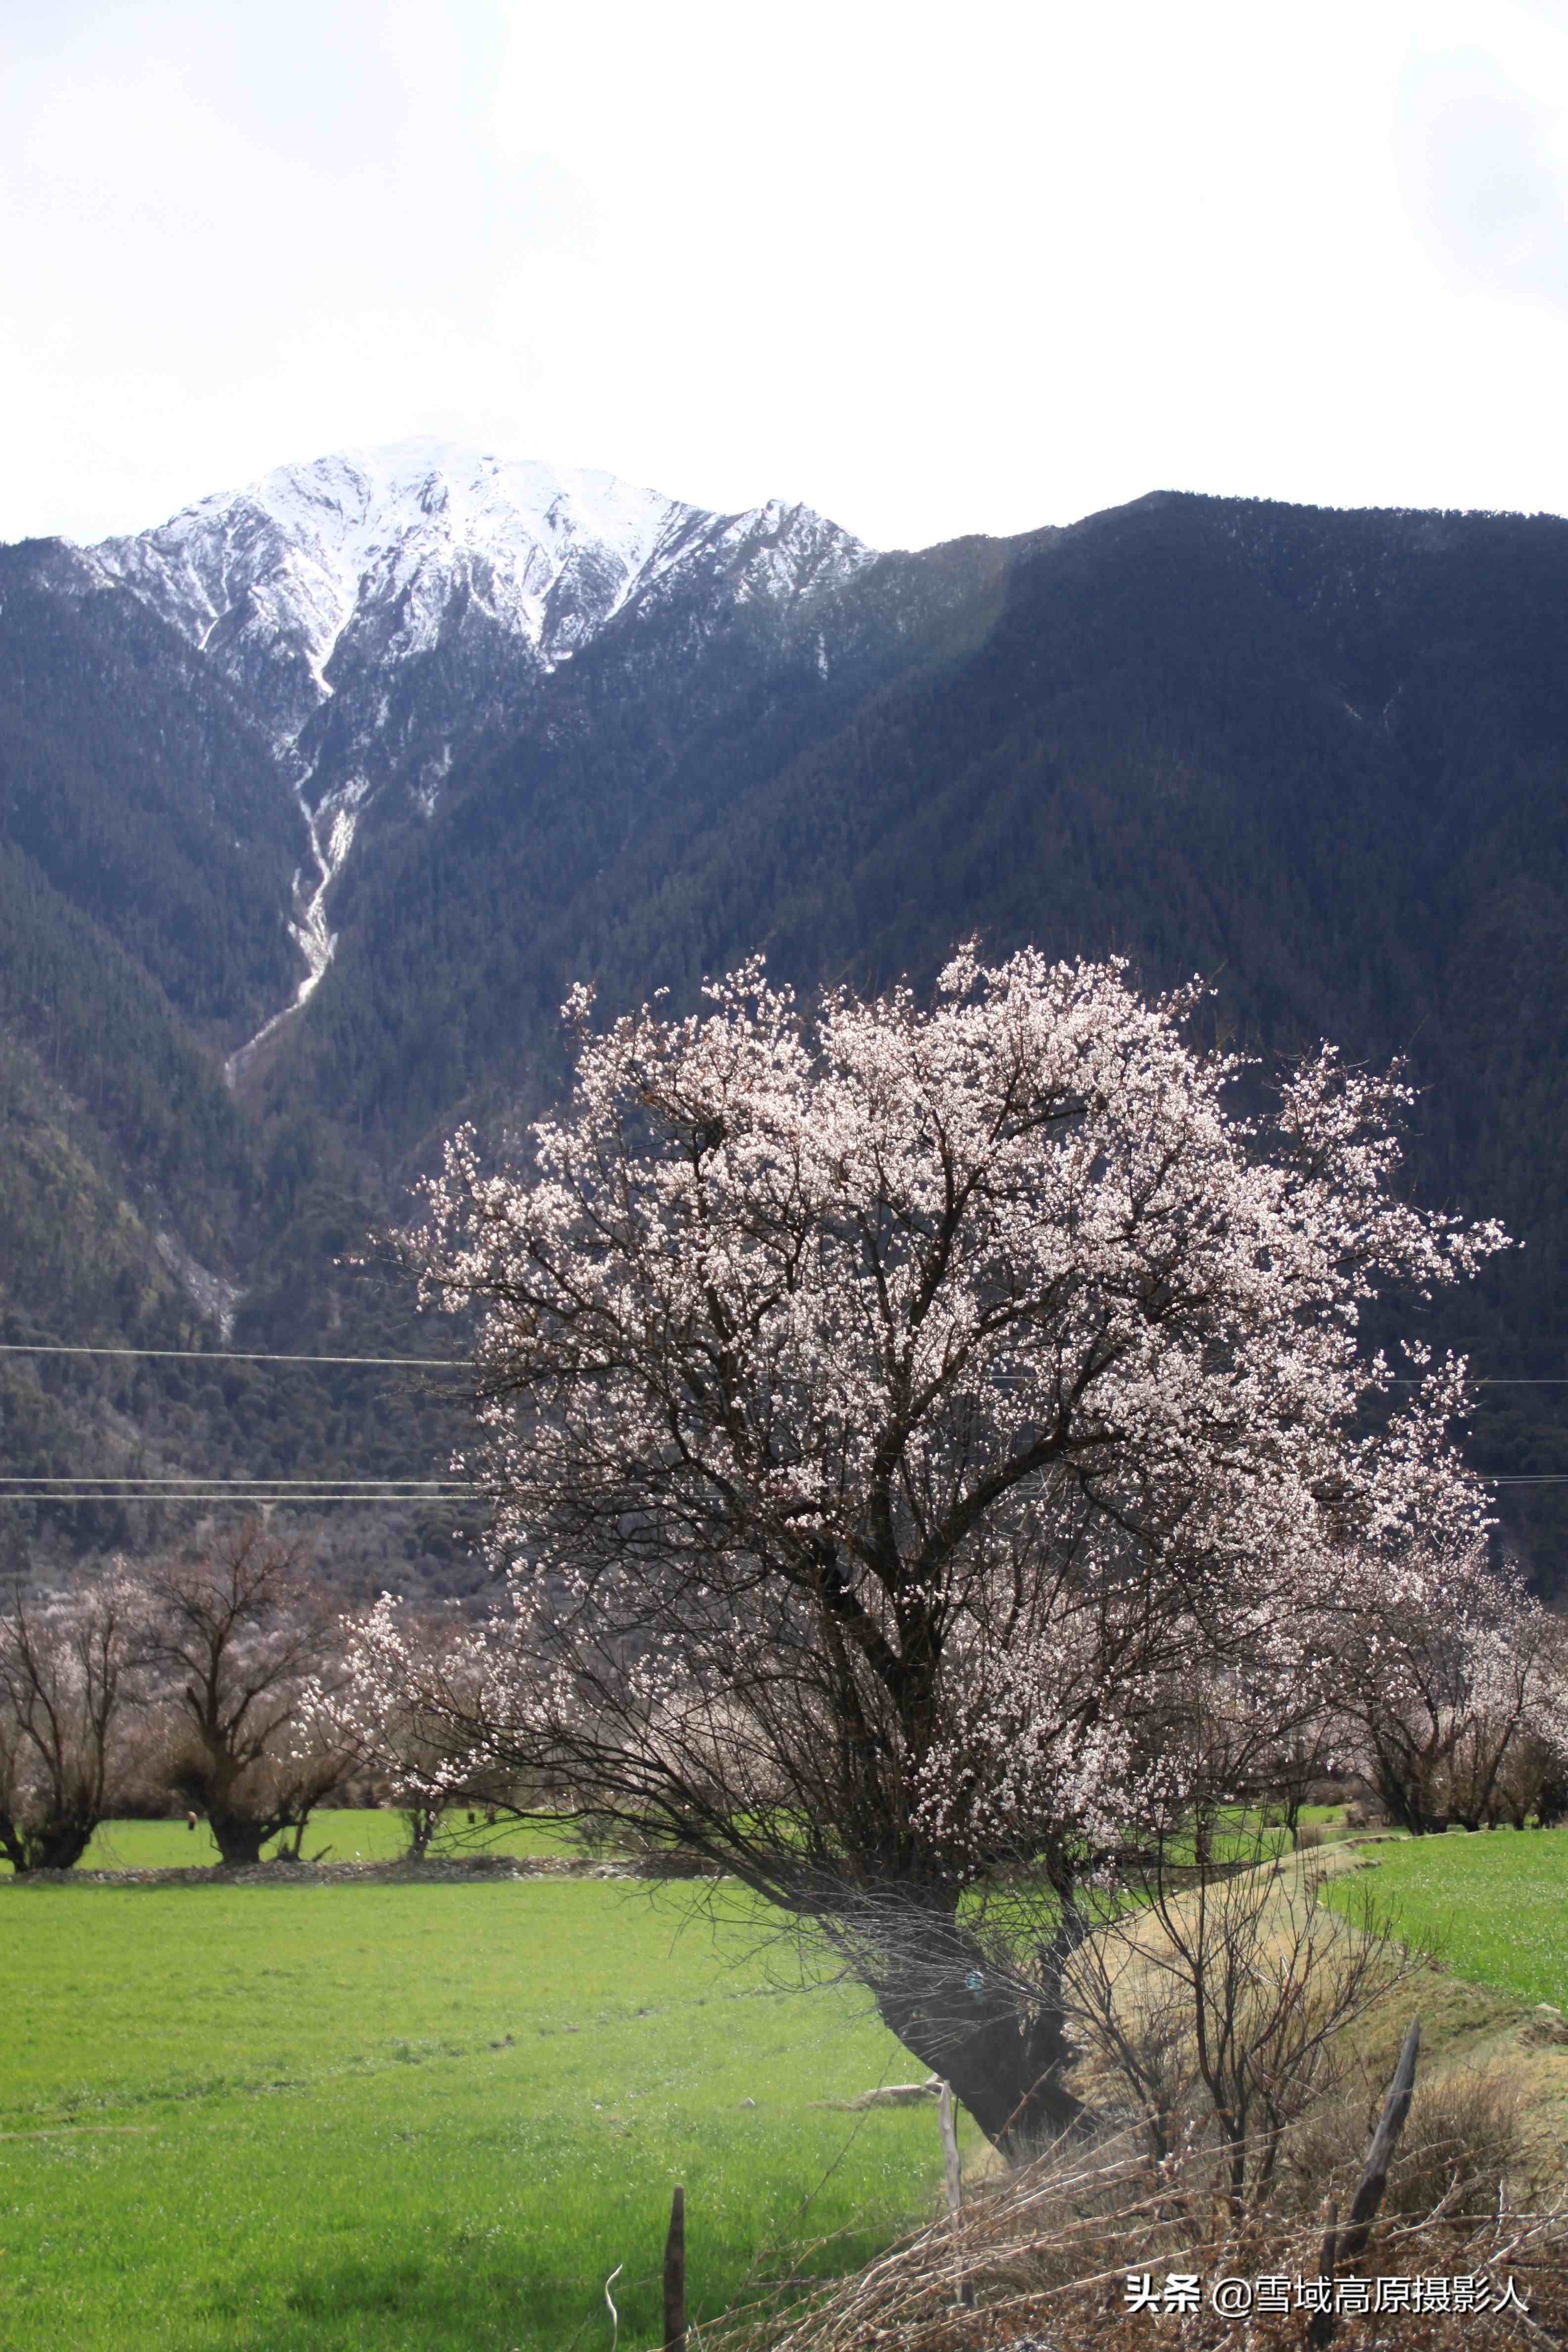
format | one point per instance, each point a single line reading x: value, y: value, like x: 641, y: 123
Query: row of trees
x: 185, y: 1681
x: 226, y: 1680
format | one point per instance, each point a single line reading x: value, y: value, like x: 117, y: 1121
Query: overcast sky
x: 931, y: 269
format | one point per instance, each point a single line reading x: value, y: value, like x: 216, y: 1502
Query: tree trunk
x: 420, y: 1822
x: 1007, y: 2062
x: 239, y: 1837
x: 60, y: 1842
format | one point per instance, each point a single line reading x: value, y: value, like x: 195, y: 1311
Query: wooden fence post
x: 945, y: 2115
x: 1384, y: 2140
x: 1348, y: 2245
x: 675, y: 2276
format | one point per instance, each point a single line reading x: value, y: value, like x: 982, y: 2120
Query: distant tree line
x: 210, y: 1681
x: 225, y: 1680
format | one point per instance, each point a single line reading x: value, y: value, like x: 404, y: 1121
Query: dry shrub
x: 1045, y: 2250
x: 1045, y: 2254
x: 1219, y: 2012
x: 1464, y: 2148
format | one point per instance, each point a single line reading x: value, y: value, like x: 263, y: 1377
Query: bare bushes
x: 1463, y: 2154
x: 1218, y: 2006
x: 1013, y: 2257
x: 1045, y: 2253
x: 1216, y: 2014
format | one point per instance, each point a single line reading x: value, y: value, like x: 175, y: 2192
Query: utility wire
x: 466, y: 1363
x: 234, y: 1355
x: 200, y: 1478
x: 332, y: 1490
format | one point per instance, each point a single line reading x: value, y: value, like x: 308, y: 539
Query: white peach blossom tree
x: 889, y: 1408
x: 1453, y: 1698
x: 406, y: 1686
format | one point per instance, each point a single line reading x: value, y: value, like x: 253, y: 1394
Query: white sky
x: 931, y: 269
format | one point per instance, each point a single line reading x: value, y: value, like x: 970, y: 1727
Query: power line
x: 200, y: 1477
x: 235, y: 1356
x: 67, y: 1488
x: 96, y: 1495
x: 466, y: 1363
x: 180, y: 1486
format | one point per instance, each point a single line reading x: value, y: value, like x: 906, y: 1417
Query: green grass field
x: 1493, y: 1907
x: 336, y: 1837
x: 420, y: 2117
x: 404, y: 2118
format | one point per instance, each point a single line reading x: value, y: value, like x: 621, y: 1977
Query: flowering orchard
x: 1454, y: 1703
x: 894, y: 1414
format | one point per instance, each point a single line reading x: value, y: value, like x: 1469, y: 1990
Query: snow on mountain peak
x: 316, y: 590
x: 300, y: 553
x: 391, y: 616
x: 548, y: 553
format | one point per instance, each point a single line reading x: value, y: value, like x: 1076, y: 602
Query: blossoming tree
x: 403, y: 1704
x: 1455, y: 1701
x: 886, y: 1411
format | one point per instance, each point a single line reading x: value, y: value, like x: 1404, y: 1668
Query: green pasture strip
x: 340, y: 1835
x: 332, y: 1836
x: 405, y: 2118
x: 1237, y: 1833
x: 1493, y: 1907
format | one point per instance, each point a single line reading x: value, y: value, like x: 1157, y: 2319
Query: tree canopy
x: 889, y: 1413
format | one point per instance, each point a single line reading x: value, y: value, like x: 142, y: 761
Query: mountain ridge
x: 1321, y: 757
x: 383, y: 612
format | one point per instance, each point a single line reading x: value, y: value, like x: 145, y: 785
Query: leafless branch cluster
x: 186, y: 1681
x: 1042, y: 2254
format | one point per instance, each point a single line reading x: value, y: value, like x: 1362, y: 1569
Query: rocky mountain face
x: 383, y: 615
x: 473, y: 731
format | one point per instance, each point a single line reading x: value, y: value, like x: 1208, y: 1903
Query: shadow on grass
x: 487, y: 2300
x: 482, y: 2305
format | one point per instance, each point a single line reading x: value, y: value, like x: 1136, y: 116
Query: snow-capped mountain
x: 289, y: 583
x: 385, y: 614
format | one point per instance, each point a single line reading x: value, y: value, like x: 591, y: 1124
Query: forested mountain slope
x: 131, y: 780
x: 1321, y: 759
x: 1295, y: 751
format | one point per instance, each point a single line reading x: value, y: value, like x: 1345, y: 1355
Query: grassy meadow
x: 362, y: 2117
x: 1493, y: 1907
x: 331, y: 1836
x: 368, y: 1836
x: 426, y: 2117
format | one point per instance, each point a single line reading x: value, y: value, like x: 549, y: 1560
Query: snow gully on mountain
x: 314, y: 589
x: 314, y: 941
